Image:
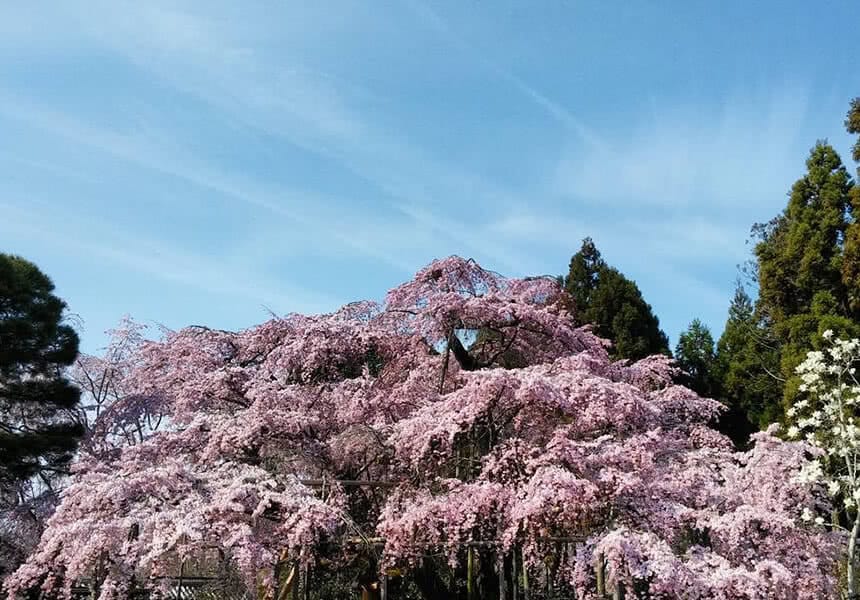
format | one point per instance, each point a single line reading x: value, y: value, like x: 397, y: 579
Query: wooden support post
x: 600, y: 574
x: 525, y: 581
x: 287, y: 589
x: 515, y: 576
x: 181, y: 578
x: 470, y: 573
x: 503, y: 581
x: 548, y: 575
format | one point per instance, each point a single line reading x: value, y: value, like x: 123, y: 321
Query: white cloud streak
x: 550, y: 107
x: 218, y: 63
x: 94, y: 239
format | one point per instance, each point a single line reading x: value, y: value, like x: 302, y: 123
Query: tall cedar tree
x: 613, y: 304
x: 801, y: 262
x: 743, y: 372
x: 694, y: 354
x: 851, y: 258
x: 38, y: 429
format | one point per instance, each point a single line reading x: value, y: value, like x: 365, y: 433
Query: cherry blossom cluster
x: 492, y: 419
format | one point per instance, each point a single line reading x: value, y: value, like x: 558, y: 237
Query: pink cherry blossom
x: 493, y: 419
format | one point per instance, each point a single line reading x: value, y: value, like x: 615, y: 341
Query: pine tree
x: 38, y: 428
x: 613, y: 304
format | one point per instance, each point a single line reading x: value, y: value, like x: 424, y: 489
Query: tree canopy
x: 614, y: 305
x: 266, y: 425
x: 804, y: 267
x: 694, y: 354
x: 851, y: 259
x: 38, y: 431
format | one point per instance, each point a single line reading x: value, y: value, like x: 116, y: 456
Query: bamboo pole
x: 321, y: 483
x: 470, y: 573
x: 525, y: 581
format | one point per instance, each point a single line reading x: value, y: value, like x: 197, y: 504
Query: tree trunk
x: 600, y: 574
x: 852, y: 560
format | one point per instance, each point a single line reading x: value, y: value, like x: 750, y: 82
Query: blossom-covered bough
x: 500, y: 431
x: 111, y: 416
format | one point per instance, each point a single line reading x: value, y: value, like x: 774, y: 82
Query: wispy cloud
x: 343, y: 143
x: 550, y: 107
x: 98, y: 240
x: 150, y: 151
x: 690, y: 155
x: 218, y: 63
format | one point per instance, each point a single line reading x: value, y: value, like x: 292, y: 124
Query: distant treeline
x: 804, y: 275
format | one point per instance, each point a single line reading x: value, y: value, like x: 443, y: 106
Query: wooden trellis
x: 513, y: 577
x: 200, y: 588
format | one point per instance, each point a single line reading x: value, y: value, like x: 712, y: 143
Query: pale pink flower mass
x: 497, y: 420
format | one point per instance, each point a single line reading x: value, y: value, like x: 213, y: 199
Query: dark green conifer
x: 38, y: 429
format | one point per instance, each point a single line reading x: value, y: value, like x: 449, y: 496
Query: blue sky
x: 203, y: 163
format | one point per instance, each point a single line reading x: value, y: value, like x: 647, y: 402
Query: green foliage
x: 694, y: 354
x: 38, y: 431
x: 806, y: 266
x: 745, y: 370
x: 583, y: 276
x: 800, y: 252
x: 613, y: 304
x: 852, y: 125
x: 851, y: 254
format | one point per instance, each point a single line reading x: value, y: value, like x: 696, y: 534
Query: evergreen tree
x: 583, y: 275
x: 804, y: 269
x: 613, y: 304
x: 38, y: 428
x: 800, y: 268
x: 800, y: 252
x: 745, y: 371
x: 852, y: 125
x: 694, y: 354
x: 851, y: 258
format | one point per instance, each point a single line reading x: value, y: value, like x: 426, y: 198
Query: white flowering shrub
x: 826, y: 416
